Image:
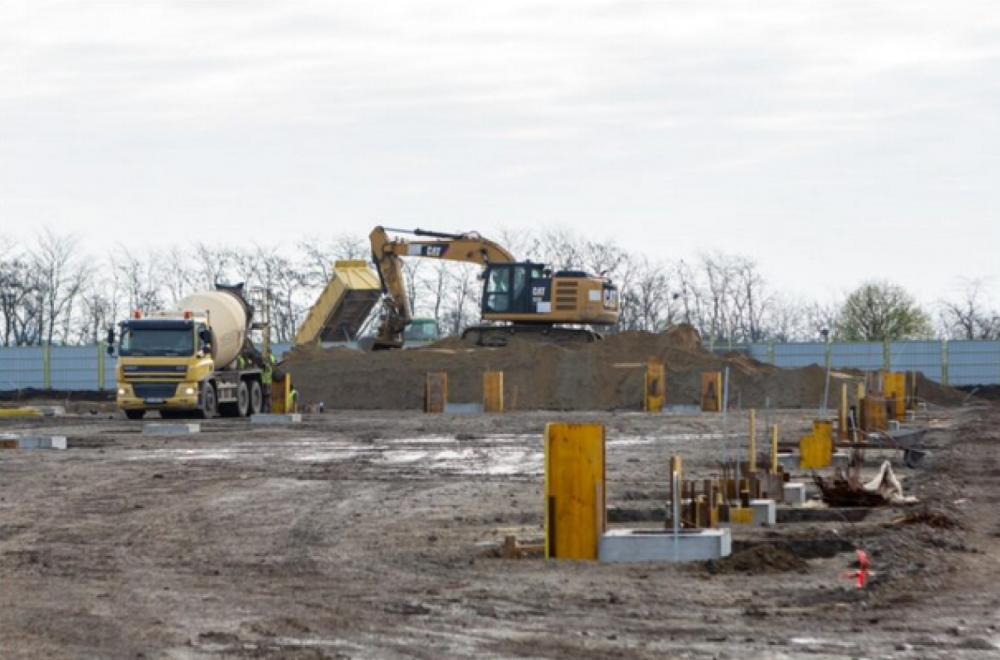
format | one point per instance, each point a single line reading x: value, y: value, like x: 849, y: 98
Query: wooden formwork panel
x: 493, y: 391
x: 894, y: 390
x: 436, y: 392
x: 656, y: 385
x: 874, y: 413
x: 575, y: 495
x: 711, y: 391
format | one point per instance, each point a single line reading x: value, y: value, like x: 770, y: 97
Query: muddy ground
x: 375, y: 534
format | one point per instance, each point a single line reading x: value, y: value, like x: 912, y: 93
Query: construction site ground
x: 376, y: 534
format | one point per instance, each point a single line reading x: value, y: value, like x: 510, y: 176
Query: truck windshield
x: 157, y: 340
x: 422, y: 329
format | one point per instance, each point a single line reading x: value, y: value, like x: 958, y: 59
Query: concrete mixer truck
x: 194, y: 360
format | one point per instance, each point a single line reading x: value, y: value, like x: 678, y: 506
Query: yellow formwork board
x: 575, y: 515
x: 816, y: 450
x: 842, y: 430
x: 656, y: 385
x: 20, y: 412
x: 894, y: 389
x: 493, y: 391
x: 711, y: 391
x: 740, y: 516
x: 436, y: 392
x: 774, y: 448
x: 281, y: 394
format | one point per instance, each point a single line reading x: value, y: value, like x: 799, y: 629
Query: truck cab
x: 195, y: 360
x: 162, y: 365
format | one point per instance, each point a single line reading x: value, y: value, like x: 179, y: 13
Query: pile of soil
x: 604, y: 375
x: 759, y: 560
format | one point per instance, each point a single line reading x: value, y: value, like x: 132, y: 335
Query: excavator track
x: 499, y: 335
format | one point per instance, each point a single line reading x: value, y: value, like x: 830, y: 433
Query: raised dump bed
x: 343, y: 306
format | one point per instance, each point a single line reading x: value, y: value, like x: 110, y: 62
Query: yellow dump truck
x: 196, y: 359
x: 342, y: 307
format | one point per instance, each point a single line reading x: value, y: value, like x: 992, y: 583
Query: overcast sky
x: 832, y: 141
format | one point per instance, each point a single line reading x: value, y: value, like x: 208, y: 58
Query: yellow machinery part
x: 343, y: 306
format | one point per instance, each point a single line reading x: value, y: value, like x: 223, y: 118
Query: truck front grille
x: 154, y: 390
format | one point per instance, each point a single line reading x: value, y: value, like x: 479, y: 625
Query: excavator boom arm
x: 386, y: 253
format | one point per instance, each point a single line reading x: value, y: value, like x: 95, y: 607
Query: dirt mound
x: 604, y: 375
x: 759, y: 560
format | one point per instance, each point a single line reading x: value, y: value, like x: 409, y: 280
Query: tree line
x: 52, y: 291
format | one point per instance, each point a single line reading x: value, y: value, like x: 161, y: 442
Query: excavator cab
x: 529, y: 293
x: 514, y: 288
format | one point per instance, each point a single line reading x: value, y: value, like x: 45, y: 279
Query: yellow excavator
x: 518, y: 296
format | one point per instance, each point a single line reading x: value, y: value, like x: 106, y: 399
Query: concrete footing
x: 795, y: 494
x: 678, y: 409
x: 10, y: 441
x: 840, y: 459
x: 789, y: 461
x: 623, y: 545
x: 269, y: 418
x: 463, y: 408
x: 765, y: 512
x: 160, y: 428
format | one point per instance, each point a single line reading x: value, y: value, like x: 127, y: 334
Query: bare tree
x: 21, y: 299
x: 647, y: 302
x: 319, y: 255
x: 750, y: 299
x: 211, y: 264
x: 463, y: 307
x: 60, y: 274
x: 139, y: 276
x: 437, y: 288
x: 970, y: 316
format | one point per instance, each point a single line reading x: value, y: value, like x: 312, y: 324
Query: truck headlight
x: 189, y: 390
x: 121, y: 391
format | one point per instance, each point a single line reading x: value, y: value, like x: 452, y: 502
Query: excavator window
x: 498, y: 290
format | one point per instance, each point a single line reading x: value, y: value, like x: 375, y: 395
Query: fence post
x: 886, y: 355
x: 770, y: 352
x: 100, y: 366
x: 47, y: 366
x: 944, y: 362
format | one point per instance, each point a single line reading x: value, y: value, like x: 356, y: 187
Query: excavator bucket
x: 343, y: 306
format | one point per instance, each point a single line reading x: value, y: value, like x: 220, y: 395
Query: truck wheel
x: 256, y: 398
x: 242, y: 399
x: 208, y: 402
x: 135, y: 414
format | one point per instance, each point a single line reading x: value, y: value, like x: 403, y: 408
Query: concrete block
x: 625, y: 545
x: 51, y: 411
x: 463, y: 408
x: 788, y: 461
x: 765, y: 512
x: 270, y: 418
x: 840, y: 459
x: 679, y: 409
x: 11, y: 441
x: 795, y: 494
x: 159, y: 428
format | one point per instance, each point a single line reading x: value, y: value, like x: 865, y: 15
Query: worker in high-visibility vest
x: 266, y: 378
